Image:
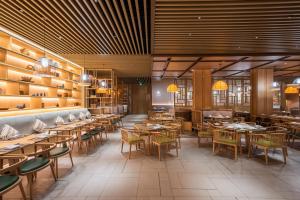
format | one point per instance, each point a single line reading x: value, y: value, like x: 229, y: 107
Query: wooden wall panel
x: 261, y: 91
x: 202, y: 96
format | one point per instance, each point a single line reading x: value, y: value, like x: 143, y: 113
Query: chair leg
x: 159, y: 153
x: 249, y: 151
x: 122, y: 147
x: 86, y: 146
x: 22, y: 190
x: 235, y: 152
x: 284, y: 150
x: 266, y: 156
x: 30, y: 180
x: 71, y: 158
x: 129, y: 151
x: 176, y: 149
x: 56, y: 167
x: 53, y: 172
x: 214, y: 147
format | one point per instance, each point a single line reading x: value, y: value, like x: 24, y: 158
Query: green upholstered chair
x: 267, y: 142
x: 167, y: 139
x: 63, y: 147
x: 226, y: 138
x: 130, y: 138
x: 39, y: 159
x: 9, y: 178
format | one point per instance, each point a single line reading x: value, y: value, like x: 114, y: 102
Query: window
x: 236, y: 97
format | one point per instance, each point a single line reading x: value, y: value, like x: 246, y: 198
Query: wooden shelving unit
x: 101, y: 96
x: 17, y: 58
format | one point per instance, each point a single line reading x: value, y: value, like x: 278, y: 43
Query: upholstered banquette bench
x: 24, y: 123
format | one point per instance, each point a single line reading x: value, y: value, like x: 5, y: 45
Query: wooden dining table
x: 8, y: 146
x: 243, y: 129
x: 147, y: 130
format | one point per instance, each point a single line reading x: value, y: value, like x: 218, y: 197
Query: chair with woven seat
x: 226, y: 138
x: 131, y: 139
x: 267, y: 142
x: 165, y: 139
x: 9, y: 178
x: 39, y: 156
x: 204, y: 132
x: 63, y: 147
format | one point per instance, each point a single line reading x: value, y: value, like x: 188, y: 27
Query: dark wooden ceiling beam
x: 165, y: 67
x: 226, y: 66
x: 189, y: 68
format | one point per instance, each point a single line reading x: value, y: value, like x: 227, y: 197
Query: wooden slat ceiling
x: 230, y: 37
x: 226, y: 26
x: 224, y: 66
x: 81, y: 26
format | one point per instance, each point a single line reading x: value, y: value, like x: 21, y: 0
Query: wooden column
x: 202, y: 96
x: 261, y: 92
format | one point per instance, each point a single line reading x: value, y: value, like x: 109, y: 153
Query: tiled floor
x: 196, y: 174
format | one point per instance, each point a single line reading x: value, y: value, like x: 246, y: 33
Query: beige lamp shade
x: 172, y: 88
x: 291, y: 90
x: 220, y: 85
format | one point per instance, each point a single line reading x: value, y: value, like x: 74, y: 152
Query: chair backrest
x: 278, y: 138
x: 225, y: 134
x: 124, y: 134
x: 9, y: 164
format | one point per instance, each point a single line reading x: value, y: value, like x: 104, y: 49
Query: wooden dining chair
x: 165, y: 139
x: 63, y: 147
x: 83, y: 138
x: 9, y: 179
x: 39, y: 159
x: 267, y: 142
x: 226, y: 138
x: 130, y: 138
x: 204, y: 132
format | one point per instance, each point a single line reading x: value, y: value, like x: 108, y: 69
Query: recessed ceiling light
x: 239, y: 47
x: 285, y: 63
x: 256, y: 37
x: 199, y: 17
x: 21, y: 10
x: 60, y: 37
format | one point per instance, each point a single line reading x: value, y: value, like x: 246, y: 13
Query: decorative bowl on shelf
x: 26, y: 78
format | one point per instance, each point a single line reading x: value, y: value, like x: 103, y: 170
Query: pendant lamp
x: 43, y: 66
x: 291, y: 90
x: 172, y: 88
x: 220, y: 85
x: 86, y: 79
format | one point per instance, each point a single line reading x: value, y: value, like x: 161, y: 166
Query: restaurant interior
x: 150, y: 99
